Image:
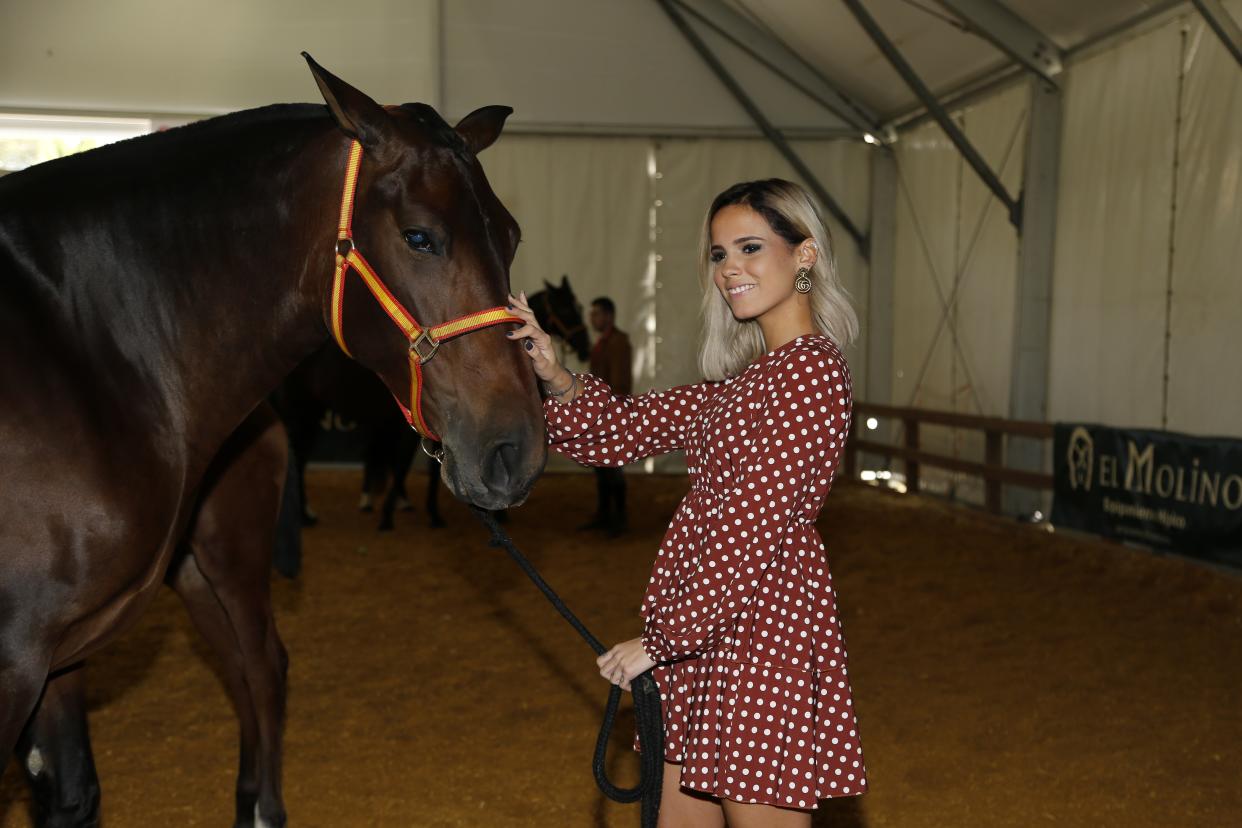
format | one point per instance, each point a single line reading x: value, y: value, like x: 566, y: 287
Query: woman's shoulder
x: 809, y: 352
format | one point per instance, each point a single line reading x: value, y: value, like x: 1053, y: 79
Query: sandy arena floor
x: 1003, y: 676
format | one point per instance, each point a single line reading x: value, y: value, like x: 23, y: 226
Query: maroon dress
x: 740, y: 613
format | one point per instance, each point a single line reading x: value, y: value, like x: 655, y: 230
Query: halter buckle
x: 424, y: 347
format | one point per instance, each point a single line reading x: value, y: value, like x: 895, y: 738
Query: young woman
x: 740, y: 619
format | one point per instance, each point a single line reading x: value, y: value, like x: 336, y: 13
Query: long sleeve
x: 601, y: 428
x: 795, y: 443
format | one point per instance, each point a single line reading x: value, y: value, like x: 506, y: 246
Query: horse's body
x: 221, y: 571
x: 154, y: 291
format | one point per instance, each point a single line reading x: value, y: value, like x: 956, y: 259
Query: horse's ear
x: 482, y: 127
x: 547, y: 284
x: 357, y: 115
x: 565, y: 281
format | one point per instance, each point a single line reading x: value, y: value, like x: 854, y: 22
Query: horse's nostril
x: 502, y: 465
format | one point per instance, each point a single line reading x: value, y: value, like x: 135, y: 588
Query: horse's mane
x: 141, y: 150
x: 211, y: 132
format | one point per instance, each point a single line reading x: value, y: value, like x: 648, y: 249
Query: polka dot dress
x: 740, y: 612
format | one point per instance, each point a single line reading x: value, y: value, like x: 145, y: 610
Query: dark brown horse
x: 152, y: 292
x: 222, y: 573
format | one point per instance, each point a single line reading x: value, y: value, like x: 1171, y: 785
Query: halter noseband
x: 424, y: 342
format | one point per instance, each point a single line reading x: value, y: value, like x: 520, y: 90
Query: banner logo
x: 1080, y: 458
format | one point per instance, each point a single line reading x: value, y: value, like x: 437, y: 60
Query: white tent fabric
x: 955, y: 276
x: 1112, y: 247
x: 1148, y: 248
x: 207, y: 58
x: 583, y: 204
x: 1205, y: 375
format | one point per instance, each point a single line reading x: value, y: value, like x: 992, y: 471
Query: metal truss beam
x: 1223, y: 24
x: 1011, y: 34
x: 782, y: 61
x: 937, y: 111
x: 765, y: 126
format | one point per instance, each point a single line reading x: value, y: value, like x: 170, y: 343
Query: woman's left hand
x: 624, y: 663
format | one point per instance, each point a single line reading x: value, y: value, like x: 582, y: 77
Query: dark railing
x: 993, y: 471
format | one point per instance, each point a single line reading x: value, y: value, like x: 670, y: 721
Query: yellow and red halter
x: 423, y: 341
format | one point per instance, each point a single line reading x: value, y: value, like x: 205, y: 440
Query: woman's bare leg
x: 747, y: 815
x: 682, y: 809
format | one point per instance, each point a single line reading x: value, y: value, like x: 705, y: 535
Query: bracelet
x: 573, y: 382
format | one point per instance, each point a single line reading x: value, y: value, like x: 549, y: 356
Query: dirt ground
x: 1004, y: 676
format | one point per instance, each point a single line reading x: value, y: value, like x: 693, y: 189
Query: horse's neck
x: 251, y: 317
x: 206, y: 300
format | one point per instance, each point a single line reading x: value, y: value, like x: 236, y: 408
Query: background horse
x: 152, y: 292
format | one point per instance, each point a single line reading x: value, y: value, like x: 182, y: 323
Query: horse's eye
x: 420, y: 240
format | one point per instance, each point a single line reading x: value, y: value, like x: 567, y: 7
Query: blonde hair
x: 728, y: 345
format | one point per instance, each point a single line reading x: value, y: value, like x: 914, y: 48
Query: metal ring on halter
x: 428, y: 349
x: 437, y: 455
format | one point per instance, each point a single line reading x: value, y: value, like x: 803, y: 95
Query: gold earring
x: 802, y: 282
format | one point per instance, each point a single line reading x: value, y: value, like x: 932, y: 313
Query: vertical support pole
x: 878, y: 384
x: 993, y: 458
x: 1028, y: 389
x: 851, y: 453
x: 912, y: 466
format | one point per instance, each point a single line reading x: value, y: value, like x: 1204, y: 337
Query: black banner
x: 1158, y: 488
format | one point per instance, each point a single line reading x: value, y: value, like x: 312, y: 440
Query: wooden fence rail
x: 993, y: 471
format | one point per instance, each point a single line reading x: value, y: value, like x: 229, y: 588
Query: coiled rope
x: 646, y: 699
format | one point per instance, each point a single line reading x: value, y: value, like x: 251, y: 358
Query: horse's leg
x: 287, y: 551
x: 24, y: 663
x: 214, y: 625
x: 55, y: 754
x: 374, y: 467
x: 407, y: 449
x: 401, y: 456
x: 225, y: 582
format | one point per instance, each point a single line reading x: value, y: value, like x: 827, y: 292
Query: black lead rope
x: 646, y: 700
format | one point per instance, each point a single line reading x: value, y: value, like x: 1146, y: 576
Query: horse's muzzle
x: 499, y: 475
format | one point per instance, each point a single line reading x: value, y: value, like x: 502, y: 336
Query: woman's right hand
x: 537, y: 345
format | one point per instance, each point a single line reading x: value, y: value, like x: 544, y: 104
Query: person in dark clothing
x: 612, y: 361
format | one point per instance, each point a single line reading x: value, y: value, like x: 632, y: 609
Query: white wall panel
x: 183, y: 56
x: 1112, y: 247
x: 583, y: 206
x: 1205, y: 374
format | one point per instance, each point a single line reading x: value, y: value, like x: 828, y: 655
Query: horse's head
x: 559, y: 313
x: 438, y: 245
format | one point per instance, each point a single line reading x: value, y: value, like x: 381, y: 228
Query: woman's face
x: 752, y: 266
